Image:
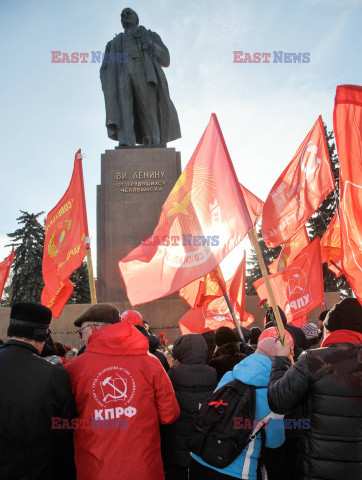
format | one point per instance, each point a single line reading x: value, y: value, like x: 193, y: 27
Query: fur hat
x: 29, y: 320
x: 310, y: 330
x: 225, y: 335
x: 345, y: 315
x: 268, y: 346
x: 101, y: 312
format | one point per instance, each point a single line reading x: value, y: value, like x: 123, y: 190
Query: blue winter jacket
x: 253, y: 370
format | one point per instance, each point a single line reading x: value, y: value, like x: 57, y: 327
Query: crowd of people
x: 122, y: 409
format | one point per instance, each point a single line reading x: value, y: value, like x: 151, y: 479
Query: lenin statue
x: 138, y: 105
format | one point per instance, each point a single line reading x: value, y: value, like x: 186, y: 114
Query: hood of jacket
x: 190, y: 349
x: 254, y: 370
x: 118, y: 339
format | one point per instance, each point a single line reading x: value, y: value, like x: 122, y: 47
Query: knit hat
x: 101, y: 312
x: 29, y: 320
x: 268, y: 346
x: 310, y: 330
x: 345, y: 315
x: 225, y: 335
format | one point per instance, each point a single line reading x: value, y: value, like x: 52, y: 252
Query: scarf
x: 342, y: 336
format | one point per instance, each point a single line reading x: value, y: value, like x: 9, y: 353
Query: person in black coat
x: 194, y: 382
x: 227, y: 354
x: 154, y: 345
x: 280, y: 462
x: 327, y: 382
x: 33, y: 392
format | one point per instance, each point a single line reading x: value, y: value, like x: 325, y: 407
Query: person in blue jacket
x: 253, y: 370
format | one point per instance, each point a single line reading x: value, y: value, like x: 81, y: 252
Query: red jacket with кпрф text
x: 122, y: 394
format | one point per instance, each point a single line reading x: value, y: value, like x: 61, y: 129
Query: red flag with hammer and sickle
x: 300, y: 189
x: 299, y: 288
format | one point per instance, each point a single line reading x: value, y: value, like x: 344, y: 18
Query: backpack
x: 216, y: 437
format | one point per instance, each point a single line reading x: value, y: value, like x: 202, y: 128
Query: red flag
x: 290, y: 250
x: 203, y: 320
x: 331, y: 247
x: 5, y: 267
x: 299, y: 288
x: 336, y: 267
x: 202, y: 220
x: 194, y: 292
x: 253, y: 204
x: 216, y: 314
x: 236, y: 288
x: 300, y: 190
x: 347, y: 120
x: 202, y: 291
x: 66, y: 229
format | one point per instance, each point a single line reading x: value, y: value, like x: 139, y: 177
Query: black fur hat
x: 225, y: 335
x: 345, y: 315
x: 29, y: 320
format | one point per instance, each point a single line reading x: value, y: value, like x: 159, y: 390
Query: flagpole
x: 253, y: 239
x: 92, y: 286
x: 226, y: 296
x: 220, y: 280
x: 255, y: 243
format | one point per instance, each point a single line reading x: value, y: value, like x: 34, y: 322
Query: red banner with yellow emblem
x: 202, y: 291
x: 202, y: 220
x: 5, y: 267
x: 290, y: 250
x: 66, y: 229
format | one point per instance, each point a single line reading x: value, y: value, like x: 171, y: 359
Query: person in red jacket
x: 122, y: 394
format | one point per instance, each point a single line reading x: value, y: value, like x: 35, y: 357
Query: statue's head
x: 129, y: 18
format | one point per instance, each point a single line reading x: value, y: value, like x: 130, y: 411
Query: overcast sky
x: 265, y: 110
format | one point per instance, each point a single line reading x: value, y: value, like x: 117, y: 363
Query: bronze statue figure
x: 138, y: 105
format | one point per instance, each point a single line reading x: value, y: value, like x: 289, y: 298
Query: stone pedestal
x: 135, y: 183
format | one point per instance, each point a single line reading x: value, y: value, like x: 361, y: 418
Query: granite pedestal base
x: 135, y: 183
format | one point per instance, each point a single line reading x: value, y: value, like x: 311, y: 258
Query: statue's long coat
x: 111, y: 73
